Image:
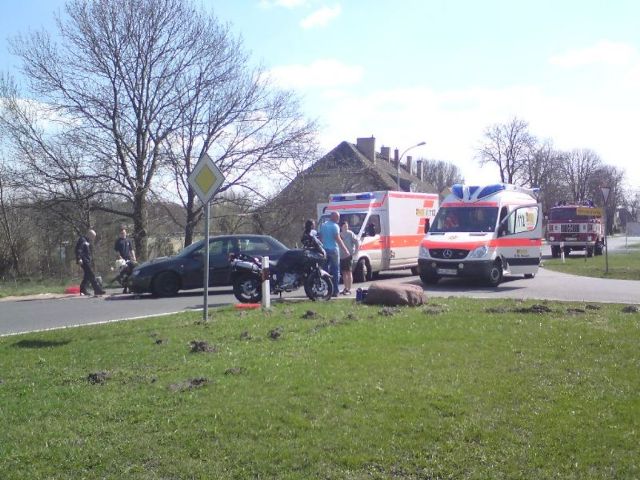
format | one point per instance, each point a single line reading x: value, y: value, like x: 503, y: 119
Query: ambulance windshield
x: 465, y: 219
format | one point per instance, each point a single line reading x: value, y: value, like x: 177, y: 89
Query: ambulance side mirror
x: 427, y: 224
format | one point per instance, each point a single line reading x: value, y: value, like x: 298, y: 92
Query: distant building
x: 347, y: 168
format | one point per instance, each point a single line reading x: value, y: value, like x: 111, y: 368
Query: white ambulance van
x: 485, y: 232
x: 389, y: 224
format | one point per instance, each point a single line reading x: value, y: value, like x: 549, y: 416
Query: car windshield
x: 562, y: 214
x: 465, y: 219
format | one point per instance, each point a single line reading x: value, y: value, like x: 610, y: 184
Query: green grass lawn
x: 622, y: 264
x: 459, y: 388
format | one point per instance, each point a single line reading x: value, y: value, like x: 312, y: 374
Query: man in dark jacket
x: 84, y: 258
x: 125, y: 250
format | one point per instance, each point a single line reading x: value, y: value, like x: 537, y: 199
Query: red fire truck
x: 575, y: 227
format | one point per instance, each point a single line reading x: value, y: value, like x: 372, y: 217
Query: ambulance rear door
x: 520, y: 238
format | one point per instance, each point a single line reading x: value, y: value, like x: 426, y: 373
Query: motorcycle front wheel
x: 248, y: 288
x: 319, y: 287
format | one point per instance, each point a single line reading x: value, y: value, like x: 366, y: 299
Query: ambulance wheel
x: 429, y: 278
x: 555, y: 251
x: 495, y: 274
x: 362, y: 272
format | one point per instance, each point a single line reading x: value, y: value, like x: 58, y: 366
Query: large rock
x: 387, y: 294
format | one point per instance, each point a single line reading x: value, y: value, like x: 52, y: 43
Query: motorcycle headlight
x: 423, y: 252
x: 479, y: 252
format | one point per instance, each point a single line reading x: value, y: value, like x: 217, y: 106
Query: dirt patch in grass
x: 276, y: 333
x: 310, y: 314
x: 234, y: 371
x: 189, y: 384
x: 98, y: 378
x: 388, y: 311
x: 200, y: 346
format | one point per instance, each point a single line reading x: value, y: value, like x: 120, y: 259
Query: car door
x: 219, y: 266
x: 520, y: 239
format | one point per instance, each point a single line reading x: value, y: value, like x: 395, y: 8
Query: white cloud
x: 321, y: 17
x: 282, y: 3
x: 603, y: 52
x: 452, y: 122
x: 321, y: 73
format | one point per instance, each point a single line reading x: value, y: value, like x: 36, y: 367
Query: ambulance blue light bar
x: 491, y: 189
x: 458, y: 191
x: 348, y: 198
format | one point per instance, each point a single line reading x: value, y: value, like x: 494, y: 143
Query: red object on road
x: 72, y: 289
x: 240, y: 306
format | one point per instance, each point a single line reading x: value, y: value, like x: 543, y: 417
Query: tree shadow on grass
x: 40, y: 343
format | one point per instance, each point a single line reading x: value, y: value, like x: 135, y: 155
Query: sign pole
x: 205, y: 300
x: 605, y: 197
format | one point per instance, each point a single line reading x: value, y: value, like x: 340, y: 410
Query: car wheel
x: 166, y: 284
x: 495, y: 274
x: 415, y: 271
x: 248, y: 289
x: 599, y: 248
x: 529, y: 275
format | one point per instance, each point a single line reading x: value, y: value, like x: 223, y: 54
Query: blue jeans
x: 333, y: 267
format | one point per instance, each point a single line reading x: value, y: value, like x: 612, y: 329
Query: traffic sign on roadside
x: 205, y: 178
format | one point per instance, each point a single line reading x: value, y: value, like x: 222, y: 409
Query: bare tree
x: 508, y: 146
x: 121, y: 72
x: 613, y: 178
x: 13, y: 244
x: 542, y: 169
x: 578, y: 168
x: 441, y: 174
x: 254, y: 132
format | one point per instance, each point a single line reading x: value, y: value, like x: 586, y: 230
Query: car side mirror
x: 427, y: 224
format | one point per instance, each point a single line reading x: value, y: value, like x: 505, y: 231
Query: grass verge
x: 456, y: 389
x: 20, y: 288
x: 623, y: 265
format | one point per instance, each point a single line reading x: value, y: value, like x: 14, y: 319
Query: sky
x: 438, y: 71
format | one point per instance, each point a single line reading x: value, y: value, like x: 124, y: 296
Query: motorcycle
x: 296, y: 268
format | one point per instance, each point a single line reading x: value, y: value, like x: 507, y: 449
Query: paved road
x: 40, y: 314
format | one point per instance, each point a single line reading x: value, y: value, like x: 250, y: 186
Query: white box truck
x: 389, y: 224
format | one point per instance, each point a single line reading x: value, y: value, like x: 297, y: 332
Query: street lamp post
x: 400, y: 160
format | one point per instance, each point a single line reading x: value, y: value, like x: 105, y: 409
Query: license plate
x: 570, y: 239
x: 447, y: 271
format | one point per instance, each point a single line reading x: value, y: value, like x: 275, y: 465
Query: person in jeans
x: 333, y: 244
x: 352, y: 243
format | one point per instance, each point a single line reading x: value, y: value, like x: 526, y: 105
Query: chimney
x: 367, y: 146
x: 396, y: 158
x: 409, y: 162
x: 419, y: 172
x: 385, y: 153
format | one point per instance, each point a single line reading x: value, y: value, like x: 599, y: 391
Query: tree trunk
x: 140, y: 225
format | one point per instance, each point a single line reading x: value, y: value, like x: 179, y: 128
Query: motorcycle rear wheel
x: 319, y: 287
x: 248, y: 288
